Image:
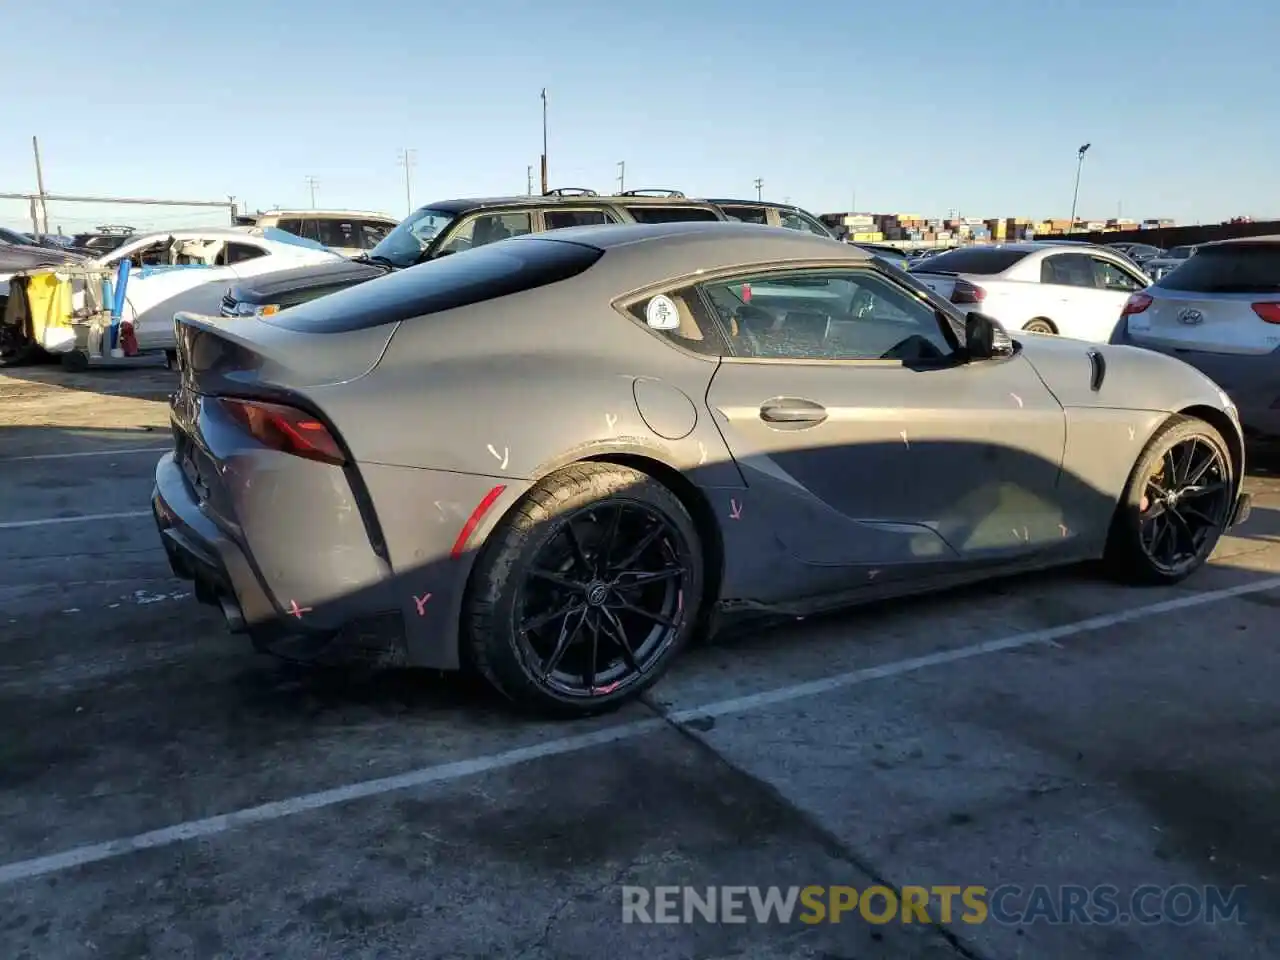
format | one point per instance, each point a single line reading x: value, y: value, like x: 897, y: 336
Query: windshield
x: 404, y: 245
x: 17, y: 239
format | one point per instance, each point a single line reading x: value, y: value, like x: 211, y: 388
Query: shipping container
x: 868, y: 237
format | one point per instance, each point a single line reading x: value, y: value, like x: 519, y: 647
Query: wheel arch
x: 649, y: 461
x: 1223, y: 423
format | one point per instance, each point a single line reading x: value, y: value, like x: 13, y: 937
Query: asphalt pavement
x: 165, y: 792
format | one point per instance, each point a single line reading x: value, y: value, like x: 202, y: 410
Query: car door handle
x: 793, y: 411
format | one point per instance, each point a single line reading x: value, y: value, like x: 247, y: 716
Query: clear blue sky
x: 918, y: 107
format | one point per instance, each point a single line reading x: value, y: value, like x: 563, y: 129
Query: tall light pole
x: 544, y: 140
x: 529, y: 180
x: 407, y: 159
x: 759, y: 188
x: 1076, y: 195
x: 312, y: 183
x: 622, y: 176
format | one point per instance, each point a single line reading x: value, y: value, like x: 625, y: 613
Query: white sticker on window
x: 661, y: 314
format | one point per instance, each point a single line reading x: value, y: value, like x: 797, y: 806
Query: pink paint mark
x: 872, y: 574
x: 735, y: 509
x: 421, y: 603
x: 679, y: 603
x: 1063, y: 528
x: 604, y: 691
x: 296, y: 610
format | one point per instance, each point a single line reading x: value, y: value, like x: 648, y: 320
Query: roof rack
x: 675, y: 194
x: 571, y: 192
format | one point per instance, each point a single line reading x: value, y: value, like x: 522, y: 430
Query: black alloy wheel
x: 1185, y: 503
x: 586, y: 591
x: 603, y: 598
x: 1176, y: 506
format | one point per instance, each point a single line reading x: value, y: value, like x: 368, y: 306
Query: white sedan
x: 191, y: 270
x: 1074, y: 290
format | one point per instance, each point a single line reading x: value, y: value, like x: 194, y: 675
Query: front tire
x: 586, y: 591
x: 1039, y: 325
x: 1175, y: 507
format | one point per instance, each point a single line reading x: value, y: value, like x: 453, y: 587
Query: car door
x: 865, y: 436
x: 1067, y: 288
x: 197, y: 287
x: 1113, y: 284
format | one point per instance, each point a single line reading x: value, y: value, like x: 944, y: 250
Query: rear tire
x: 585, y: 593
x: 1157, y: 539
x: 1040, y: 325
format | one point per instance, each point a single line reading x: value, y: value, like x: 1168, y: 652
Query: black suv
x: 451, y: 226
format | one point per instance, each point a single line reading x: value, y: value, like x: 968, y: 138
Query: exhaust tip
x: 232, y: 613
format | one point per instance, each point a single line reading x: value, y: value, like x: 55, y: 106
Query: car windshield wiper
x: 381, y: 261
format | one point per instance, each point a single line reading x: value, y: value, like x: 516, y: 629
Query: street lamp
x: 1076, y: 195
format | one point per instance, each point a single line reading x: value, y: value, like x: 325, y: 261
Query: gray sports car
x: 557, y: 458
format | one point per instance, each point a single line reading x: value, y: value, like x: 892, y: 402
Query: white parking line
x: 448, y: 772
x: 84, y: 453
x: 16, y: 524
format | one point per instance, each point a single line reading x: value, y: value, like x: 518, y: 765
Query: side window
x: 748, y: 214
x: 1067, y: 270
x: 309, y: 229
x: 697, y: 330
x: 829, y: 315
x: 290, y: 226
x: 371, y: 233
x: 338, y: 233
x: 559, y: 219
x: 240, y: 252
x: 794, y: 221
x: 487, y: 228
x: 1109, y: 276
x: 656, y: 214
x: 152, y: 255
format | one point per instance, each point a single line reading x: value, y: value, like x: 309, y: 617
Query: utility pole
x: 622, y: 176
x: 43, y: 226
x: 407, y: 159
x: 232, y: 200
x: 544, y: 140
x: 1076, y: 195
x: 312, y: 183
x: 759, y: 188
x: 530, y: 179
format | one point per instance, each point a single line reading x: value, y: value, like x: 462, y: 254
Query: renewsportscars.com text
x: 1006, y: 905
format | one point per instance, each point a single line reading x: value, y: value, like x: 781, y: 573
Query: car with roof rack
x: 445, y: 227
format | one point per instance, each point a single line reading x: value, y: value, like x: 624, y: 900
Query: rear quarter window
x: 1231, y: 268
x: 458, y: 280
x: 983, y: 262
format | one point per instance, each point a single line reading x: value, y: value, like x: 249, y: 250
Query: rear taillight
x: 286, y: 429
x: 1270, y: 312
x: 1136, y: 304
x: 966, y: 292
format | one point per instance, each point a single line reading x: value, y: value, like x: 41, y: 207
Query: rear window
x: 972, y: 260
x: 1231, y: 268
x: 457, y: 280
x: 655, y: 214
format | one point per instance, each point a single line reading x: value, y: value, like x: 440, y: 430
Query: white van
x: 348, y: 232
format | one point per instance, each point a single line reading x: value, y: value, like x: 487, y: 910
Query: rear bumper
x: 354, y: 627
x: 1252, y: 381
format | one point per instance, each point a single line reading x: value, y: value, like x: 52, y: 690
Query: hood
x: 268, y: 287
x: 1132, y: 378
x: 14, y: 258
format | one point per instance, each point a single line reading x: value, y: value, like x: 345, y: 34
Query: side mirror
x: 985, y: 338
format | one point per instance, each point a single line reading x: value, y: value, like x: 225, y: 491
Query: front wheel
x: 1175, y: 507
x: 1039, y: 325
x: 586, y: 592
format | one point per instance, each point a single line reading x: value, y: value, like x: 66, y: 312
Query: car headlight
x: 257, y: 309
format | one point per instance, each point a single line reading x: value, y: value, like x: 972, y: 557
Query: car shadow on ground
x: 144, y: 377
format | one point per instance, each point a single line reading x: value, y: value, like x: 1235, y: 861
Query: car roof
x: 762, y: 204
x: 641, y: 254
x: 303, y: 214
x: 1265, y: 240
x: 467, y: 204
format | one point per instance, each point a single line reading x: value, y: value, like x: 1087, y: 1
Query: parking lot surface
x: 165, y: 792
